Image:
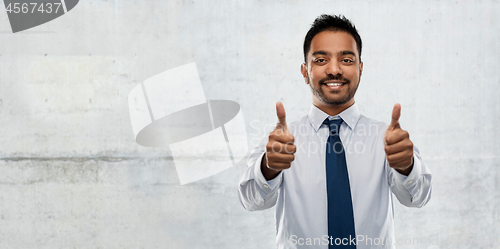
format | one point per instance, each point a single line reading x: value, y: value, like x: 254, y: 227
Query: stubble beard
x: 320, y: 94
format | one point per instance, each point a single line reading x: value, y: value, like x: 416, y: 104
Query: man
x: 332, y: 173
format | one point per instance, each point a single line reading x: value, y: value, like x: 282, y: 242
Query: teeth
x: 334, y: 84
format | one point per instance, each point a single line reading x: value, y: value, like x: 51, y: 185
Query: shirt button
x: 410, y: 181
x: 266, y: 185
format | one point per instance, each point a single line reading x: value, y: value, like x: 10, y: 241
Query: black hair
x: 331, y: 23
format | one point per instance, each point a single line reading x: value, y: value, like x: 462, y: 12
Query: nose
x: 333, y: 68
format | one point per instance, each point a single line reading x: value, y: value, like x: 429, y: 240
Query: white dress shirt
x: 300, y: 195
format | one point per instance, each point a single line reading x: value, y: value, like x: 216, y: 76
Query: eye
x: 347, y: 60
x: 320, y: 60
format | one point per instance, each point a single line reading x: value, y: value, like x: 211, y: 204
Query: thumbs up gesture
x: 398, y: 146
x: 280, y: 148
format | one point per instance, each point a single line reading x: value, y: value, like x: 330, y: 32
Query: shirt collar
x: 350, y: 116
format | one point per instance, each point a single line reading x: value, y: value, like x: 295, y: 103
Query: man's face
x: 333, y: 68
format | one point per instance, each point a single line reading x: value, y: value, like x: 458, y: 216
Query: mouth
x: 334, y: 85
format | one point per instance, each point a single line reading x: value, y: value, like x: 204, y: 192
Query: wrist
x: 406, y: 171
x: 267, y: 172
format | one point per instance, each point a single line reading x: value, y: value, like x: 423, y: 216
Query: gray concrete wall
x: 71, y: 175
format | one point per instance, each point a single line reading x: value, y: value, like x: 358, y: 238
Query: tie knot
x: 334, y: 125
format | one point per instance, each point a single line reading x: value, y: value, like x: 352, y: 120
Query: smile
x: 334, y: 84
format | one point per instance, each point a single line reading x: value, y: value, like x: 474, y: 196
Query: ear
x: 303, y: 70
x: 360, y: 69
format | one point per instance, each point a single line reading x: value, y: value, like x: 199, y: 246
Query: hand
x: 398, y: 146
x: 279, y: 148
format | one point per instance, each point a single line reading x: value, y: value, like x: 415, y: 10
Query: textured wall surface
x: 71, y: 175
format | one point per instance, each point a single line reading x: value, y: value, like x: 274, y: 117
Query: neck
x: 333, y: 110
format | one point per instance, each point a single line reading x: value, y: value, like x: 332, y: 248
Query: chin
x: 337, y: 101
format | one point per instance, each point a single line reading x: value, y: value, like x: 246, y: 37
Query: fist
x: 398, y: 146
x: 280, y: 148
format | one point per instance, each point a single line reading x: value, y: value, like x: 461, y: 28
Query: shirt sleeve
x: 415, y: 189
x: 255, y: 193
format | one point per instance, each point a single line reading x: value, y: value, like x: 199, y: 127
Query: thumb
x: 280, y: 112
x: 396, y: 113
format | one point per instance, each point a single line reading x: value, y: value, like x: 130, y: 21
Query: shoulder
x: 300, y: 124
x: 370, y: 121
x: 371, y: 126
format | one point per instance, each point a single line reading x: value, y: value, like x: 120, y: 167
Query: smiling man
x: 332, y: 174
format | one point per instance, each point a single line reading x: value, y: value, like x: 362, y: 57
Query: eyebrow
x: 346, y: 52
x: 322, y: 52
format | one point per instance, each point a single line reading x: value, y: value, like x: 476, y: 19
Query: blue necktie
x: 340, y: 212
